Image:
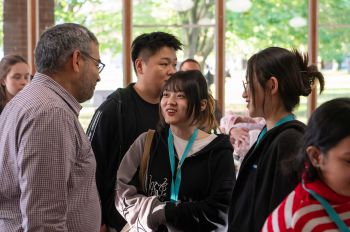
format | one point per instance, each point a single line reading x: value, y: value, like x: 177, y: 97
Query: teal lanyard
x: 285, y: 119
x: 329, y: 209
x: 175, y: 187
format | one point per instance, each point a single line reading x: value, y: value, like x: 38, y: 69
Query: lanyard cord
x: 285, y: 119
x: 175, y: 186
x: 329, y: 209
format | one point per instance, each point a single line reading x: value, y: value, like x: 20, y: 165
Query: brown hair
x: 194, y: 85
x: 6, y: 64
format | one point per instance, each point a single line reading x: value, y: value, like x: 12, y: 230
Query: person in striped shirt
x: 322, y: 201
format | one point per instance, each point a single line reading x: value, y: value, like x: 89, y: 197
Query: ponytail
x: 309, y: 73
x: 295, y: 77
x: 207, y: 119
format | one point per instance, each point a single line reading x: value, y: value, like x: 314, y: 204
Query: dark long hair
x: 295, y: 77
x: 327, y: 126
x: 6, y: 64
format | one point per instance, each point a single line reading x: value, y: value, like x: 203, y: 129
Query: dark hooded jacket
x: 264, y: 178
x: 116, y: 124
x: 206, y: 185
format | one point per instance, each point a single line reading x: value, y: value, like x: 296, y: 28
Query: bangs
x: 194, y: 86
x: 174, y: 85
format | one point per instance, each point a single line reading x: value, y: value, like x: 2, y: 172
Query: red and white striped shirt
x: 301, y: 212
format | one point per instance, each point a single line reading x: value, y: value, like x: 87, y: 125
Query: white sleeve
x: 133, y: 206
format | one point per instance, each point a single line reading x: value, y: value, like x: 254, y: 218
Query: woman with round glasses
x: 275, y: 80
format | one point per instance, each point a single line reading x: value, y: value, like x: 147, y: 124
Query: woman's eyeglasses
x: 245, y: 86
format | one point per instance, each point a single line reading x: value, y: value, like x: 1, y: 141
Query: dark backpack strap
x: 120, y: 125
x: 114, y: 218
x: 125, y: 115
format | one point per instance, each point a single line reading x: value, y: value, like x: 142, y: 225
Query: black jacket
x: 263, y: 180
x: 206, y: 185
x: 114, y: 127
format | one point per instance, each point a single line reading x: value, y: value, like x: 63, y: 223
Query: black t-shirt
x: 110, y: 141
x: 146, y: 116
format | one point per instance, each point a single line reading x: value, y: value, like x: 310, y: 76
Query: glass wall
x: 252, y: 26
x: 191, y: 21
x: 334, y: 48
x: 104, y: 19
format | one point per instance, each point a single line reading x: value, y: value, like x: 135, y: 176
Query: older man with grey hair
x: 47, y: 166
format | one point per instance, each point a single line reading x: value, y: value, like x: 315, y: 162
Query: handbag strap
x: 329, y: 209
x: 145, y: 156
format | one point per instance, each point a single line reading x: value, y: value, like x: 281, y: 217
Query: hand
x: 104, y: 228
x: 157, y: 215
x: 239, y: 135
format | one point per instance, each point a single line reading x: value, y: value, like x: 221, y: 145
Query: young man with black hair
x: 128, y: 112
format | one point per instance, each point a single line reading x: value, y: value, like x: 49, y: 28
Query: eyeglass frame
x: 100, y: 66
x: 245, y: 85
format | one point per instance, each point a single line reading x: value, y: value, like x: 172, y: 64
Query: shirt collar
x: 323, y: 190
x: 59, y: 90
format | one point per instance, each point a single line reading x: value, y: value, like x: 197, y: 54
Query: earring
x: 316, y: 164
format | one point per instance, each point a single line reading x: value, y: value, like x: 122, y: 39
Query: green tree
x: 198, y: 40
x: 68, y: 11
x: 334, y: 30
x: 106, y: 24
x: 265, y: 24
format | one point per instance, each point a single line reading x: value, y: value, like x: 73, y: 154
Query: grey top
x: 47, y: 166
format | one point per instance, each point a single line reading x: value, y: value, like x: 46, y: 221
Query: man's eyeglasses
x: 100, y: 66
x: 245, y: 86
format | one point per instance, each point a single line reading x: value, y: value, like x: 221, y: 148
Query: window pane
x: 334, y: 48
x: 191, y: 21
x: 104, y: 19
x: 253, y: 27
